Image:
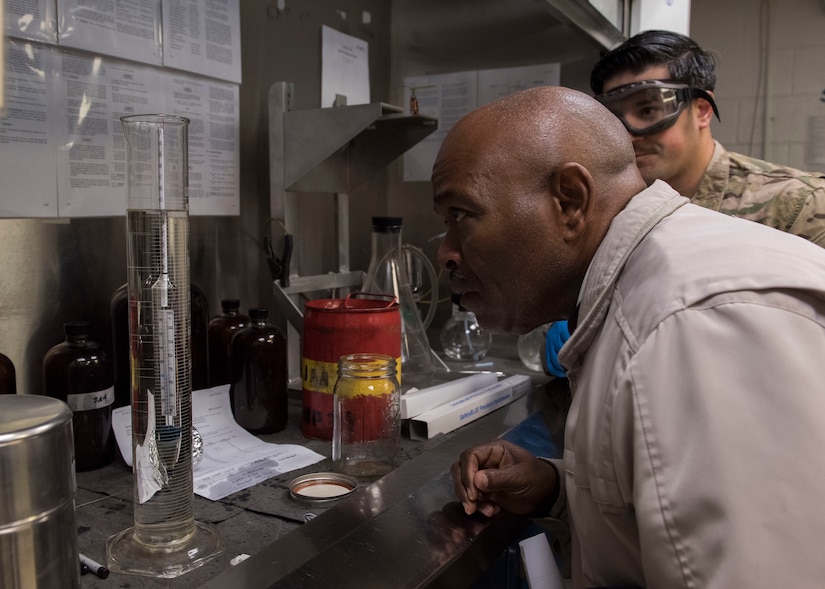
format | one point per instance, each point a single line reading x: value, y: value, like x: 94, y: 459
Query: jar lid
x: 321, y: 487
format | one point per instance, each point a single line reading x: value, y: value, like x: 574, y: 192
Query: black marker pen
x: 97, y: 568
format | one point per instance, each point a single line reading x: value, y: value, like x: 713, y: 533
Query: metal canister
x: 359, y: 323
x: 38, y: 534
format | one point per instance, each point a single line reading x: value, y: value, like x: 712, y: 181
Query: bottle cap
x: 231, y: 304
x: 75, y: 328
x: 387, y: 224
x: 259, y: 313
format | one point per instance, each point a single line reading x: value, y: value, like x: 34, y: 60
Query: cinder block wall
x: 771, y: 87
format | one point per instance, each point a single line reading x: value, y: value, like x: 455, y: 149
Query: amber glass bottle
x: 119, y: 312
x: 79, y: 372
x: 222, y: 329
x: 199, y: 310
x: 8, y: 378
x: 258, y: 393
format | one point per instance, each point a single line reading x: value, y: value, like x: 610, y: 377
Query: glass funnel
x: 387, y: 274
x: 165, y: 541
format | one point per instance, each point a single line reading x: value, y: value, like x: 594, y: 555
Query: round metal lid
x: 24, y: 416
x: 321, y: 487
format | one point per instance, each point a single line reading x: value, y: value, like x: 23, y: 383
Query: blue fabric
x: 557, y: 334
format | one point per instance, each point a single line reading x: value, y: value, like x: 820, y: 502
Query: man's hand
x: 502, y: 475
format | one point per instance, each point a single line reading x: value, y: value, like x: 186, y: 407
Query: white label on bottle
x: 90, y: 401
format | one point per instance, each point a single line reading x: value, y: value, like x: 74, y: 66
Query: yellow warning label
x: 320, y: 377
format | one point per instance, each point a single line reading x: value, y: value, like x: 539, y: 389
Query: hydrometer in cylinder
x: 166, y: 540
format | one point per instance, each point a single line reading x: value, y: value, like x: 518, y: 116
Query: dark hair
x: 686, y: 62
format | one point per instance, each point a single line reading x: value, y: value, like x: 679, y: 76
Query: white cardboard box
x: 452, y: 415
x: 417, y: 402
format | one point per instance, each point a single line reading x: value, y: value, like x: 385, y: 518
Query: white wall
x: 771, y: 59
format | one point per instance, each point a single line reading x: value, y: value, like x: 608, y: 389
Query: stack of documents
x: 442, y: 408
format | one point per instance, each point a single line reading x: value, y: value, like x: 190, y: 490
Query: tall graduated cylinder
x: 165, y: 541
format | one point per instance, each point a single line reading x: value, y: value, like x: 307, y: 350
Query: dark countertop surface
x: 404, y: 530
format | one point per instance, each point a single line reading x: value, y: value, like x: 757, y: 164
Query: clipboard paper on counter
x: 443, y: 408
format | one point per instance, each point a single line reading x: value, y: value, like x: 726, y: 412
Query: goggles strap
x: 688, y: 94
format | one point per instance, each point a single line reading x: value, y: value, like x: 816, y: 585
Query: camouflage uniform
x: 784, y: 198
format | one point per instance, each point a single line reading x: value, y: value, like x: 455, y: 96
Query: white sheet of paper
x: 27, y: 152
x: 214, y: 147
x: 447, y: 97
x: 233, y: 459
x: 31, y: 19
x: 501, y: 82
x: 130, y: 30
x: 344, y: 68
x: 203, y: 37
x: 540, y: 564
x: 92, y: 94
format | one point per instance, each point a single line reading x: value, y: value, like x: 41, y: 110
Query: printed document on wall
x: 27, y: 154
x: 344, y: 68
x: 129, y: 30
x: 214, y: 153
x: 447, y: 97
x: 33, y: 20
x: 93, y: 93
x: 498, y: 83
x: 203, y: 37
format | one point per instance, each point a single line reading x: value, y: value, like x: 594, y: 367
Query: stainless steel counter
x: 404, y: 530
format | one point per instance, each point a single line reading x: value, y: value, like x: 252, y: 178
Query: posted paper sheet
x: 344, y: 68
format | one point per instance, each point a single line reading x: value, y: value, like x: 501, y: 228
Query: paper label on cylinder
x: 91, y: 401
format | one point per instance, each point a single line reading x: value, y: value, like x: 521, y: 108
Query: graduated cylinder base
x: 126, y: 554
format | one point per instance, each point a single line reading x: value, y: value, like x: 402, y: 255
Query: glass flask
x: 366, y: 438
x: 8, y: 377
x: 222, y: 328
x: 387, y: 273
x: 258, y: 393
x: 79, y: 373
x: 119, y: 315
x: 462, y: 338
x: 165, y: 540
x: 529, y: 348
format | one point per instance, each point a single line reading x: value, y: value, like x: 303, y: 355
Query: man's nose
x: 449, y: 256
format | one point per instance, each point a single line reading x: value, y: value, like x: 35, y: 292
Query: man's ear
x: 571, y: 187
x: 704, y: 111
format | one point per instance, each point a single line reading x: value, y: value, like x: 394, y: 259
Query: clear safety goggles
x: 651, y: 106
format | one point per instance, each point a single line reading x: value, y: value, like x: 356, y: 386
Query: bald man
x: 694, y: 440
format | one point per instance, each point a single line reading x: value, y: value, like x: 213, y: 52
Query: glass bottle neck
x: 385, y: 242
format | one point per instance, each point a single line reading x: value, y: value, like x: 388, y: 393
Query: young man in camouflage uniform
x: 660, y: 84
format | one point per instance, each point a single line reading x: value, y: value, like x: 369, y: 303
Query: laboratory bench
x: 403, y: 530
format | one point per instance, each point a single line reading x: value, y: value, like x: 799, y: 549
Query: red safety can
x: 360, y: 323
